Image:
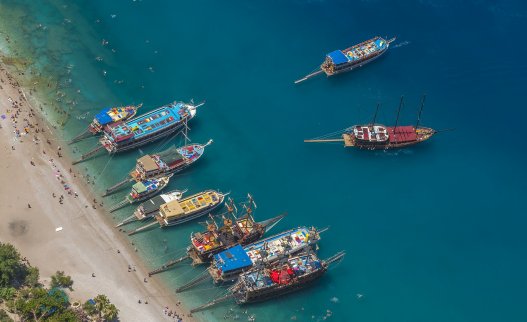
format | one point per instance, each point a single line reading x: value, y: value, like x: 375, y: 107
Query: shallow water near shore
x: 433, y: 233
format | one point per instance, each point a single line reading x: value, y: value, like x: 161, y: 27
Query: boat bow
x: 270, y: 223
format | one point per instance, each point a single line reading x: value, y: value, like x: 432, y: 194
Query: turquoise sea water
x: 433, y: 233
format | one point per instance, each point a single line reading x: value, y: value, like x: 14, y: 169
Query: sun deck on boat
x: 113, y: 114
x: 402, y: 134
x: 153, y: 121
x: 178, y: 209
x: 275, y: 245
x: 282, y: 274
x: 145, y: 186
x: 205, y: 241
x: 191, y: 152
x: 358, y: 52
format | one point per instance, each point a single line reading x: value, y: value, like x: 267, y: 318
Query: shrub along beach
x: 26, y: 298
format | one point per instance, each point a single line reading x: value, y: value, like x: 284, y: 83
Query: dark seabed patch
x: 18, y: 227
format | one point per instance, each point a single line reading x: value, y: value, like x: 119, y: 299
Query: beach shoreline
x: 77, y: 235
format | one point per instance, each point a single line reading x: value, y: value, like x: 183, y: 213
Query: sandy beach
x: 48, y: 212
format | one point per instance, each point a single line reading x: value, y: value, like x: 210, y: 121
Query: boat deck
x: 205, y: 241
x: 358, y: 52
x: 199, y: 201
x: 191, y: 152
x: 144, y: 186
x: 246, y: 225
x: 275, y: 245
x: 230, y: 262
x: 366, y: 49
x: 150, y: 122
x: 349, y: 140
x: 282, y: 274
x: 193, y: 204
x: 402, y: 134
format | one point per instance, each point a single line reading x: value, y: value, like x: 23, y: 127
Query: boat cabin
x: 154, y: 164
x: 232, y: 260
x: 176, y: 210
x: 371, y: 133
x: 144, y: 187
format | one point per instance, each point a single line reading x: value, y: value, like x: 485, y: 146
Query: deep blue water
x: 432, y: 233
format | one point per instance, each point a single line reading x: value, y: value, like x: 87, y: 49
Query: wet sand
x: 72, y: 233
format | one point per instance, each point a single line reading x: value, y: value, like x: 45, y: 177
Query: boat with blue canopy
x: 227, y: 265
x: 339, y: 61
x: 149, y: 127
x: 267, y: 281
x: 107, y: 116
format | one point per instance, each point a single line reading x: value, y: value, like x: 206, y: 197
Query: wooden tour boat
x: 177, y: 212
x: 110, y: 115
x: 267, y: 281
x: 171, y: 160
x: 340, y: 61
x: 150, y: 207
x: 142, y: 191
x: 229, y: 264
x: 240, y: 230
x: 376, y: 136
x: 146, y: 128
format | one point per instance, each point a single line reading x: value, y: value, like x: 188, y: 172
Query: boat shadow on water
x: 296, y: 298
x: 414, y: 151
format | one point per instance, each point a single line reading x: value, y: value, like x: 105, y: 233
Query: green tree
x: 102, y: 308
x: 101, y: 301
x: 32, y: 276
x: 67, y: 315
x: 110, y: 312
x: 4, y: 317
x: 7, y: 293
x: 37, y: 303
x: 89, y: 308
x: 12, y: 270
x: 61, y: 280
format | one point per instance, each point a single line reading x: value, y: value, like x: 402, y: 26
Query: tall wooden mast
x: 398, y: 112
x: 397, y: 119
x: 420, y: 111
x: 374, y: 118
x: 375, y: 115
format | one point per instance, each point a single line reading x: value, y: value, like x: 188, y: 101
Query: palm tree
x: 101, y: 301
x: 110, y: 312
x: 105, y: 310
